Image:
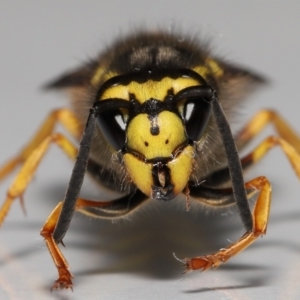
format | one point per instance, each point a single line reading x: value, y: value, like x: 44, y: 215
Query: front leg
x: 115, y: 208
x: 64, y: 275
x: 223, y: 197
x: 260, y: 217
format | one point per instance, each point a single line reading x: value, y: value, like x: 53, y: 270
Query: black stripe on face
x: 154, y: 129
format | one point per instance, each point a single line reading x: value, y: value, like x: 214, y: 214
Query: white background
x: 133, y: 259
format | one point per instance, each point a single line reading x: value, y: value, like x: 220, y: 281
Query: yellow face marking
x: 180, y: 171
x: 171, y: 135
x: 140, y: 173
x: 149, y: 89
x: 181, y: 168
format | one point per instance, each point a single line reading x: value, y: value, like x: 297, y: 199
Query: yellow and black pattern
x: 157, y: 143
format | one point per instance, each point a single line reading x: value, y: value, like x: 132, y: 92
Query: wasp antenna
x: 76, y: 179
x: 234, y: 164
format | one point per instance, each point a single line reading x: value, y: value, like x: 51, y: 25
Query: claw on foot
x: 21, y: 198
x: 185, y: 262
x: 64, y: 281
x: 202, y: 263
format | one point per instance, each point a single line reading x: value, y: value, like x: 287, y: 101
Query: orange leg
x: 287, y: 139
x: 64, y: 275
x: 261, y: 210
x: 260, y: 218
x: 26, y: 173
x: 115, y: 208
x: 269, y: 143
x: 260, y: 121
x: 62, y: 116
x: 33, y: 152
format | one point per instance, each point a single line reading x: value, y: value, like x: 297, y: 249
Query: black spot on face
x: 146, y: 144
x: 167, y: 142
x: 154, y: 130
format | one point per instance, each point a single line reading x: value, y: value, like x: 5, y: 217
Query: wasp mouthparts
x: 162, y: 188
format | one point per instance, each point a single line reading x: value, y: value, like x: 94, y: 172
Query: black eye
x: 195, y: 107
x: 113, y: 127
x: 196, y: 116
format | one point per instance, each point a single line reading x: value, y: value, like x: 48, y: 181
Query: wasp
x: 152, y: 115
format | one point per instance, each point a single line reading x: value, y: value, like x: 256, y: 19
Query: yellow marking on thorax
x: 215, y: 67
x: 101, y: 75
x: 149, y: 89
x: 210, y: 68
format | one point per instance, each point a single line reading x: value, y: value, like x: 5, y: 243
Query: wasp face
x: 159, y: 122
x: 157, y: 149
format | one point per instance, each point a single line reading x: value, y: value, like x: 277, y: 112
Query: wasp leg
x: 222, y: 176
x: 251, y: 130
x: 23, y: 178
x: 116, y: 208
x: 63, y: 116
x: 217, y: 197
x: 260, y: 121
x: 260, y: 219
x: 261, y: 209
x: 290, y: 151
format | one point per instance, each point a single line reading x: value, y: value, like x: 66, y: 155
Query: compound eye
x: 196, y: 114
x: 113, y: 124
